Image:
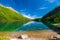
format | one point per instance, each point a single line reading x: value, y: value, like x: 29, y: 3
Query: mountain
x: 52, y: 19
x: 9, y: 15
x: 11, y: 20
x: 53, y: 16
x: 37, y: 19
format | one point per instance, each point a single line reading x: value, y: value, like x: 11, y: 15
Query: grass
x: 10, y: 20
x: 4, y: 38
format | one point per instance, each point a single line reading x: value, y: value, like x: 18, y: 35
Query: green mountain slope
x: 9, y: 15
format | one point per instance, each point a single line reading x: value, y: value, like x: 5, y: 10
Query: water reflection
x: 2, y: 25
x: 33, y: 26
x: 21, y: 26
x: 10, y: 26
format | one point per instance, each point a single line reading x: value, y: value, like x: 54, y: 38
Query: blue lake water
x: 33, y: 26
x: 18, y: 26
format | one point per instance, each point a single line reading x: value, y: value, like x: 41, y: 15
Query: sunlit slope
x: 9, y: 15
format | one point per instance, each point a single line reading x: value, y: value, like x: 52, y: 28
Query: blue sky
x: 31, y: 8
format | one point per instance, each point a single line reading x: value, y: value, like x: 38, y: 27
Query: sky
x: 32, y: 8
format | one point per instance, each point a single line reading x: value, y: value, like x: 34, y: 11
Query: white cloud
x: 51, y: 1
x: 43, y: 8
x: 26, y: 14
x: 29, y: 16
x: 23, y: 10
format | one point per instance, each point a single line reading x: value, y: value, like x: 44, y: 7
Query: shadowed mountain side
x: 7, y: 14
x: 37, y: 19
x: 51, y: 19
x: 53, y: 16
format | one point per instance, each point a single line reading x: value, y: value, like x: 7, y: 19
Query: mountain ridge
x: 7, y: 14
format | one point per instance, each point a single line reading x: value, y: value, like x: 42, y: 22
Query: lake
x: 18, y: 26
x: 33, y: 26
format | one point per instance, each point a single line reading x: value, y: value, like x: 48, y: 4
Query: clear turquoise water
x: 18, y: 26
x: 33, y: 26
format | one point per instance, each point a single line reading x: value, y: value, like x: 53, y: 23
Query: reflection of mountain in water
x: 33, y: 26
